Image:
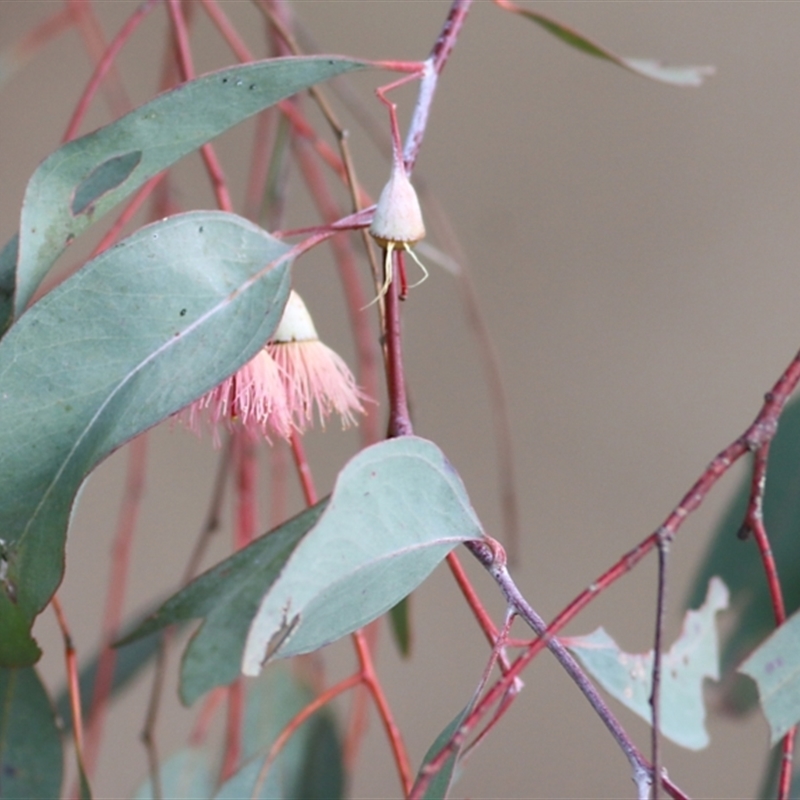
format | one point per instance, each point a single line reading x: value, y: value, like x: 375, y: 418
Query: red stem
x: 21, y: 51
x: 104, y: 64
x: 73, y: 681
x: 349, y: 276
x: 296, y: 721
x: 399, y: 418
x: 115, y: 597
x: 186, y: 66
x: 393, y: 733
x: 94, y: 40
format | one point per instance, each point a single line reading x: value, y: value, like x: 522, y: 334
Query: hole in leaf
x: 104, y: 178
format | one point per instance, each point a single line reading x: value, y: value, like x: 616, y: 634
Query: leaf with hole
x: 87, y: 177
x: 775, y: 667
x: 139, y: 332
x: 693, y: 657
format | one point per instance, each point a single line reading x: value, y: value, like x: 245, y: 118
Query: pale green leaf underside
x: 397, y: 510
x: 692, y: 657
x: 86, y: 177
x: 775, y: 667
x: 647, y: 68
x: 134, y: 336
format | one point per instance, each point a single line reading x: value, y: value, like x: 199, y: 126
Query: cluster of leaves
x: 157, y: 320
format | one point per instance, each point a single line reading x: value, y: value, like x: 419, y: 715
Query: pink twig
x: 115, y: 596
x: 94, y: 40
x: 213, y: 167
x: 26, y: 47
x: 433, y: 67
x: 104, y: 64
x: 292, y: 726
x: 348, y: 274
x: 370, y: 677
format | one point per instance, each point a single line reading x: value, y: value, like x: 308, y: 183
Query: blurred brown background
x: 634, y: 247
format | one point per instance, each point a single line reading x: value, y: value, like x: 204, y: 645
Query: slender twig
x: 370, y: 677
x: 292, y: 726
x: 115, y: 596
x: 754, y: 524
x: 433, y: 67
x: 366, y: 349
x: 73, y: 681
x: 94, y: 41
x: 399, y: 418
x: 496, y: 567
x: 658, y: 647
x: 26, y: 47
x: 214, y: 169
x: 104, y: 64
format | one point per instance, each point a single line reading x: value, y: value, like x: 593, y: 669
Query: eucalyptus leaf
x: 227, y: 596
x: 142, y: 330
x: 87, y: 177
x: 397, y: 509
x: 31, y: 758
x: 693, y: 657
x: 775, y: 667
x: 647, y: 68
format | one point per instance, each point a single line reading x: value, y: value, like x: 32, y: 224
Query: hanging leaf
x: 692, y: 657
x: 647, y: 68
x: 228, y: 596
x: 142, y: 330
x: 775, y: 667
x: 31, y: 759
x: 87, y: 177
x: 739, y: 564
x: 397, y: 509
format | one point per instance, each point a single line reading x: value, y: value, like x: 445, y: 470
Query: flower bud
x: 398, y: 217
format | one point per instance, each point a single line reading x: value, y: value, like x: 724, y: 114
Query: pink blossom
x: 276, y: 392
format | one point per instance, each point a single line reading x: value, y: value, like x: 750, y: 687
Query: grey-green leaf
x: 86, y: 177
x: 397, y: 509
x: 31, y: 758
x: 775, y: 667
x: 134, y: 336
x: 647, y: 68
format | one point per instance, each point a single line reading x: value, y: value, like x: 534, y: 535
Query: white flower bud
x: 398, y: 217
x: 296, y: 324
